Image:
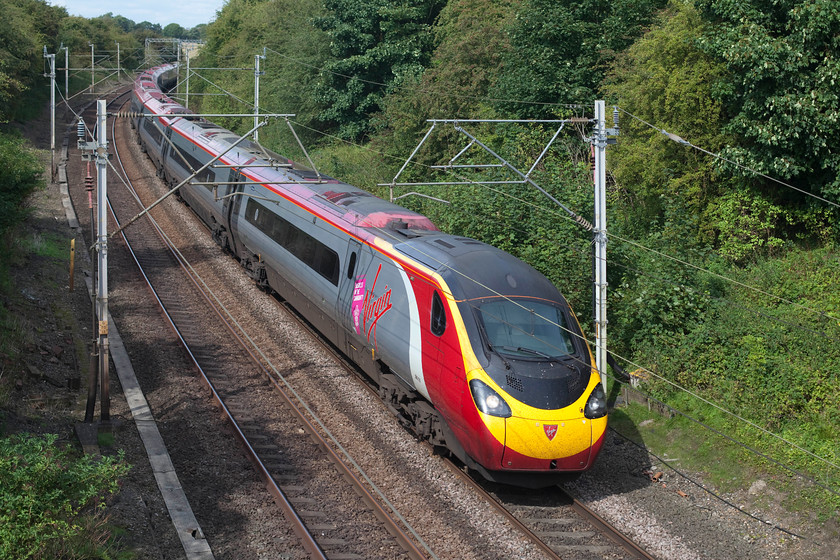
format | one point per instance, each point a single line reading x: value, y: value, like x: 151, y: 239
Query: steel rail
x: 587, y: 514
x: 601, y: 525
x: 298, y: 526
x: 393, y: 528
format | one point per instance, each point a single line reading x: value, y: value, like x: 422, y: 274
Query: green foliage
x: 294, y: 48
x: 464, y: 66
x: 378, y: 45
x: 20, y: 175
x: 664, y: 79
x: 729, y: 77
x: 749, y: 225
x: 174, y: 30
x: 190, y: 34
x: 47, y: 497
x: 560, y: 50
x: 654, y: 299
x: 767, y: 357
x: 518, y: 218
x: 28, y: 26
x: 780, y: 92
x: 77, y: 33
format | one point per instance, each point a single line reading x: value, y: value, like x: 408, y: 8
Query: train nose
x: 534, y: 444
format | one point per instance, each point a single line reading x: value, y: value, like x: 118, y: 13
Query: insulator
x: 583, y: 222
x: 615, y: 116
x: 80, y: 129
x: 89, y: 183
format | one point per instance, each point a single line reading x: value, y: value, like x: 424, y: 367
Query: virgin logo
x: 375, y: 307
x: 550, y: 431
x: 358, y: 304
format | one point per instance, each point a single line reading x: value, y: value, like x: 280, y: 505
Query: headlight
x: 488, y: 401
x: 596, y: 406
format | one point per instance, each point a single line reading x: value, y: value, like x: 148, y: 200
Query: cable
x: 722, y: 277
x: 693, y: 394
x: 220, y: 88
x: 728, y: 412
x: 684, y: 142
x: 675, y: 385
x: 702, y: 486
x: 609, y: 235
x: 724, y: 299
x: 322, y: 70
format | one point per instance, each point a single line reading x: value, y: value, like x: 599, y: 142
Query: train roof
x: 460, y: 259
x: 456, y: 259
x: 283, y: 176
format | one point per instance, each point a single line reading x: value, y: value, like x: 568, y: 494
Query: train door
x: 433, y: 327
x: 230, y: 209
x: 165, y: 149
x: 351, y: 295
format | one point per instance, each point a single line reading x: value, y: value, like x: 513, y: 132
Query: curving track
x: 252, y: 386
x: 299, y: 472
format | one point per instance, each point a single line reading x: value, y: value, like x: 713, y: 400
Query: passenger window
x: 438, y: 315
x: 351, y: 268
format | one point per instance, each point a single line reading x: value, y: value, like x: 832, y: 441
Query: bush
x: 20, y: 175
x: 51, y: 501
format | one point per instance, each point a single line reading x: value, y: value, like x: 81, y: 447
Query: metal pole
x: 51, y: 58
x: 66, y: 74
x: 102, y: 251
x: 119, y: 71
x: 187, y: 82
x: 93, y: 374
x: 600, y: 234
x: 257, y: 75
x: 185, y: 181
x: 91, y: 68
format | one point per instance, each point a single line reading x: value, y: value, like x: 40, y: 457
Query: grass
x: 48, y: 245
x: 13, y: 328
x: 13, y: 334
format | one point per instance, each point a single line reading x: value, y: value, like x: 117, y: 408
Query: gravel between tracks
x: 239, y: 521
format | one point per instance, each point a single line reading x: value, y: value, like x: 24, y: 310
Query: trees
x: 560, y: 50
x: 780, y: 91
x: 664, y: 78
x: 464, y: 66
x: 377, y: 45
x: 174, y: 30
x: 20, y: 175
x: 31, y: 25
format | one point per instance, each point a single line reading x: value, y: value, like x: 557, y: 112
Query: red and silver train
x: 472, y: 348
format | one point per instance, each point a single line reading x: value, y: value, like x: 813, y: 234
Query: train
x: 471, y: 348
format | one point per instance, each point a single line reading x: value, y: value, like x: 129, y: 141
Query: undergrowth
x: 52, y: 500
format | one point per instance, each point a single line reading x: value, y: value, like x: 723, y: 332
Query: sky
x: 186, y: 13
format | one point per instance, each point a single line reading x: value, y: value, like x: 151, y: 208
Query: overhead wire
x: 659, y: 253
x: 446, y: 93
x: 703, y: 486
x: 697, y: 396
x: 611, y: 235
x: 555, y: 213
x: 684, y: 142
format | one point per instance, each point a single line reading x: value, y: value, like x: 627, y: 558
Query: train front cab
x: 535, y: 413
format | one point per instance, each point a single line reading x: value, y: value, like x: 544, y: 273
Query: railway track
x: 554, y: 521
x: 293, y: 470
x: 299, y: 472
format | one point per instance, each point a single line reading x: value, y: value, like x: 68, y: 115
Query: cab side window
x: 438, y: 315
